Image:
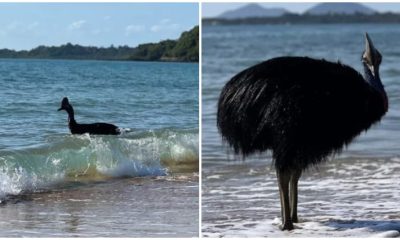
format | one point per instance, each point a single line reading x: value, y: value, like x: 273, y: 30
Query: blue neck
x: 373, y: 81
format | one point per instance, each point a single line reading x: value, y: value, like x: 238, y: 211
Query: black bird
x: 93, y: 128
x: 303, y: 110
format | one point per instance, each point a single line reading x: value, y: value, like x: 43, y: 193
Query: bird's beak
x: 60, y: 109
x: 370, y: 55
x: 369, y: 46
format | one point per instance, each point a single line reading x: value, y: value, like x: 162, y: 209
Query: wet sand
x: 132, y: 207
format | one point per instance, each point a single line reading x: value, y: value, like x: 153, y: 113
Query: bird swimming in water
x: 93, y: 128
x: 302, y: 109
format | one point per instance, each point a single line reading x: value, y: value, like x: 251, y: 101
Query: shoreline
x: 115, y: 208
x: 105, y: 60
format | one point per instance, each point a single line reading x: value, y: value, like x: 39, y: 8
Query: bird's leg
x: 294, y: 179
x: 283, y: 182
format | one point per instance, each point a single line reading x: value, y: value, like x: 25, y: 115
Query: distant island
x: 253, y: 10
x: 185, y: 49
x: 325, y: 13
x: 340, y: 8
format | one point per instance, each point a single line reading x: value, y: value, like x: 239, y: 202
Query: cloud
x: 13, y: 25
x: 165, y: 25
x: 76, y: 25
x: 20, y: 28
x: 155, y: 28
x: 165, y: 21
x: 32, y: 26
x: 96, y: 31
x: 130, y: 29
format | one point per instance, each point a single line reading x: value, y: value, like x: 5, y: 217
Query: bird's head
x: 64, y: 104
x: 371, y: 58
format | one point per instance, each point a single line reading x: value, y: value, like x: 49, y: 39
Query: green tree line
x: 184, y: 49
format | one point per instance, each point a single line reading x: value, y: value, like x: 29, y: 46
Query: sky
x: 27, y: 25
x: 215, y: 9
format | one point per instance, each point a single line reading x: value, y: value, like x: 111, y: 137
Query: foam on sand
x: 343, y: 198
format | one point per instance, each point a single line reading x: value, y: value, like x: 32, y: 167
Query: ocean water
x: 354, y: 194
x: 138, y: 183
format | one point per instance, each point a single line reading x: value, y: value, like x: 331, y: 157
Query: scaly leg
x: 283, y: 182
x: 294, y: 179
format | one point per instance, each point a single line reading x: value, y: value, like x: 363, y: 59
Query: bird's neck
x: 376, y: 83
x: 373, y: 81
x: 71, y: 118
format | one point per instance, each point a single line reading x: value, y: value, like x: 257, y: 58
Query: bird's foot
x: 287, y: 226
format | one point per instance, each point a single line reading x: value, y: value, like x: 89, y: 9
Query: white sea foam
x: 343, y: 198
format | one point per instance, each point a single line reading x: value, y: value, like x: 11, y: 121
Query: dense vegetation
x: 310, y: 19
x: 186, y: 48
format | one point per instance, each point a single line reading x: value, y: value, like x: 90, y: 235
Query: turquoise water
x: 155, y: 103
x: 136, y: 95
x: 240, y: 198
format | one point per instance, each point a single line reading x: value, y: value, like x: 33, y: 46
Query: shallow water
x: 343, y: 198
x: 354, y: 194
x: 53, y: 183
x: 130, y: 207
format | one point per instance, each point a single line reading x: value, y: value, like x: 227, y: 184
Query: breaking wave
x: 66, y: 158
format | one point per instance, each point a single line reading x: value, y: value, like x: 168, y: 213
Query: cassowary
x: 93, y: 128
x: 303, y: 110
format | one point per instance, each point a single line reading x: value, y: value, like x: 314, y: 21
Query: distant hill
x: 294, y: 18
x: 185, y: 49
x: 339, y: 8
x: 324, y: 13
x: 253, y: 10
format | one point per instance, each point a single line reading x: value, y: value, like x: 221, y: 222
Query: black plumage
x: 93, y: 128
x: 303, y: 110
